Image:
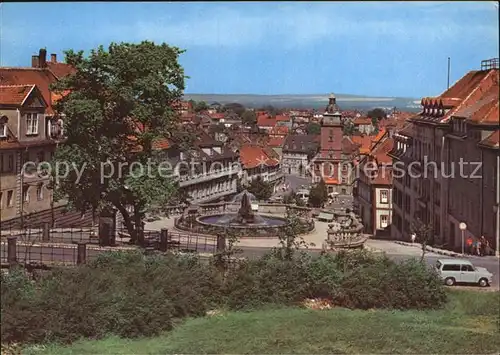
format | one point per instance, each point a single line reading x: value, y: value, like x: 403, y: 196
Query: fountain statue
x: 245, y: 213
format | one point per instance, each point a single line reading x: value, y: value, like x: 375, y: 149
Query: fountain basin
x: 224, y: 220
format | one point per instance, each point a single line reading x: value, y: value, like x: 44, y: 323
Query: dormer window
x: 32, y: 123
x: 3, y: 127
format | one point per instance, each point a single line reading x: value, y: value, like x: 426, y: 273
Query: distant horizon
x: 340, y: 96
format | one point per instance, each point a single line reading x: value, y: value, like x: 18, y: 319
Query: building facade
x: 373, y: 195
x: 29, y: 134
x: 298, y: 152
x: 260, y: 162
x: 452, y: 141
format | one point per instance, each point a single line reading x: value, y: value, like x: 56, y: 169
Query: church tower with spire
x: 331, y: 129
x: 333, y: 163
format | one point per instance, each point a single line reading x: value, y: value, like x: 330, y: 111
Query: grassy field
x: 469, y: 324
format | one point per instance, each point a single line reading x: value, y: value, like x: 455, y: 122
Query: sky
x: 361, y: 48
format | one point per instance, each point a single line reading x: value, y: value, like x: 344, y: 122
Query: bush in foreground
x: 131, y: 295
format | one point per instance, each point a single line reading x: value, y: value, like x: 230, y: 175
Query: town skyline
x: 393, y: 50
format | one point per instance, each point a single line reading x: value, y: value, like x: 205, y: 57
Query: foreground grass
x: 469, y: 324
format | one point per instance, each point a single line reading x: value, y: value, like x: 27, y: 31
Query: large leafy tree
x: 249, y: 118
x: 313, y: 128
x: 261, y: 189
x: 114, y: 107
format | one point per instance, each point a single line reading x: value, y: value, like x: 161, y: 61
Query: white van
x: 303, y: 194
x: 454, y: 271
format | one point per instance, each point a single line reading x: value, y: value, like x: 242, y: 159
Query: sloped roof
x: 266, y: 121
x: 276, y: 141
x: 60, y: 69
x: 252, y: 156
x: 492, y: 141
x: 282, y: 118
x: 279, y: 130
x: 14, y: 94
x: 42, y: 78
x: 466, y: 92
x: 301, y: 143
x: 362, y: 121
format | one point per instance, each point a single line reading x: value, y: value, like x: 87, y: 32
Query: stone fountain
x: 239, y: 218
x: 346, y: 232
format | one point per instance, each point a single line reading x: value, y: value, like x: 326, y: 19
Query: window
x: 467, y: 268
x: 384, y: 196
x: 39, y: 192
x: 451, y: 267
x: 32, y: 123
x: 26, y: 195
x: 384, y: 221
x: 10, y: 198
x: 3, y: 127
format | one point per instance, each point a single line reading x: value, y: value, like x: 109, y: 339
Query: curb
x: 430, y: 249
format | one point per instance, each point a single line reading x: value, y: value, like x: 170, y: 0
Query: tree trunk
x: 139, y: 230
x: 127, y: 220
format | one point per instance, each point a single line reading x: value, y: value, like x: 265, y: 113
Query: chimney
x: 42, y: 57
x: 34, y: 61
x: 53, y: 58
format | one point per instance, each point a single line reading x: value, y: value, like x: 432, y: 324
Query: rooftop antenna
x: 448, y: 73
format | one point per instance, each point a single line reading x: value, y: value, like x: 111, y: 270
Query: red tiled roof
x: 362, y: 121
x: 217, y: 116
x: 266, y: 121
x: 252, y: 156
x: 484, y: 110
x: 364, y: 142
x: 42, y: 78
x: 462, y: 88
x: 162, y: 143
x: 463, y: 95
x: 282, y: 118
x: 492, y: 141
x: 379, y: 152
x: 60, y: 69
x: 379, y: 135
x: 279, y: 130
x: 14, y: 94
x: 276, y: 141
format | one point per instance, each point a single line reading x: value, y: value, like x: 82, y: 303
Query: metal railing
x: 489, y: 64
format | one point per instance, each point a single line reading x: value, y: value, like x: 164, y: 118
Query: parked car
x: 454, y: 271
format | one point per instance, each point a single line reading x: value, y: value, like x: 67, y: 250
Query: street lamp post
x: 496, y: 210
x: 463, y: 227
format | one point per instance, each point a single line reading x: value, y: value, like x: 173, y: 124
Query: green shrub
x: 407, y: 285
x: 323, y: 277
x: 126, y: 294
x: 130, y: 294
x: 269, y: 280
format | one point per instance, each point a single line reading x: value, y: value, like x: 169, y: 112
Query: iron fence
x: 74, y: 246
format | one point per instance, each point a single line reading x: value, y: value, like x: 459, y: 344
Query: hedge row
x: 130, y: 295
